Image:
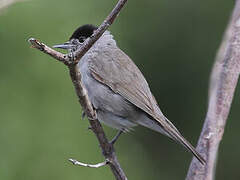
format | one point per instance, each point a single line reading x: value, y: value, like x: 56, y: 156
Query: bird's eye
x: 75, y: 41
x: 82, y: 39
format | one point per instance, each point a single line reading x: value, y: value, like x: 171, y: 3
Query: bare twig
x: 223, y: 82
x: 5, y: 3
x: 75, y: 162
x: 57, y: 55
x: 71, y: 61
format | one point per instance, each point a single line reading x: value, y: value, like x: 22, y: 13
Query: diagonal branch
x: 71, y: 61
x: 223, y: 82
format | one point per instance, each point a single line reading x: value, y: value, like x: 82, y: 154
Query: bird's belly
x: 112, y: 108
x: 114, y: 121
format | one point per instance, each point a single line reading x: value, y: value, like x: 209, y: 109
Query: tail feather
x: 176, y: 135
x: 164, y: 126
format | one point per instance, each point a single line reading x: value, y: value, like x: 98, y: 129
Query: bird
x: 117, y: 89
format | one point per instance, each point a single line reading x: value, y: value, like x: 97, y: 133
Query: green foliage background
x: 173, y: 43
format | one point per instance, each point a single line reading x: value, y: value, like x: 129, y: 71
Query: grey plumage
x: 119, y: 92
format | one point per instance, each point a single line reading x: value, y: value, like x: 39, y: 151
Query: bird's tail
x: 165, y: 127
x: 176, y: 135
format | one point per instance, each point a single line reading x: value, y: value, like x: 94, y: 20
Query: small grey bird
x: 117, y: 88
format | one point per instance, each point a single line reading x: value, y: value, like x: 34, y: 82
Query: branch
x: 75, y: 162
x: 71, y: 61
x: 6, y: 3
x: 223, y: 82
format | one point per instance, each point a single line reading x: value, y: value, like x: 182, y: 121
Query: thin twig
x: 6, y: 3
x: 223, y: 82
x: 47, y: 50
x: 71, y: 61
x: 76, y: 162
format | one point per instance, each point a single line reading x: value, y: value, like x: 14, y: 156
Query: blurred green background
x: 173, y: 43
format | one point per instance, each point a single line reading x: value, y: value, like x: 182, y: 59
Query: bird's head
x: 78, y: 37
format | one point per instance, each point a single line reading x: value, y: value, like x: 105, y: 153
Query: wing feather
x: 124, y: 78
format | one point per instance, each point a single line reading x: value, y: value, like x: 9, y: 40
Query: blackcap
x: 117, y: 89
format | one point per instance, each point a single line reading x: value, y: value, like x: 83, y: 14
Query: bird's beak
x: 66, y: 45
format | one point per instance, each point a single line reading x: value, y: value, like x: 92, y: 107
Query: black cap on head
x: 83, y: 32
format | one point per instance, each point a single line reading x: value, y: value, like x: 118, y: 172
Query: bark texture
x: 223, y: 82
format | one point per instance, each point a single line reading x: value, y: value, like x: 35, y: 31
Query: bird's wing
x: 119, y: 73
x: 124, y: 78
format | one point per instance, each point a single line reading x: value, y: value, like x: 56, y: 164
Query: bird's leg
x: 116, y: 137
